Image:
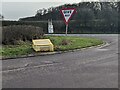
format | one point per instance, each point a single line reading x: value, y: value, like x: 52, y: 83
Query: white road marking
x: 24, y: 68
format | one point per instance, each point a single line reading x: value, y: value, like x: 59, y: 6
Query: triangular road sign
x: 67, y: 14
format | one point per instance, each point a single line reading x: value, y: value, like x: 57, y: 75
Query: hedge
x: 13, y: 34
x: 91, y: 27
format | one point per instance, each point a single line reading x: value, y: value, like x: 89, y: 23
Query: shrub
x: 12, y: 34
x: 65, y: 42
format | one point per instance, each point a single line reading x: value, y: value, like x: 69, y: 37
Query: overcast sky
x: 15, y: 9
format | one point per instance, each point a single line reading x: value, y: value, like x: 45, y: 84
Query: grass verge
x: 61, y: 43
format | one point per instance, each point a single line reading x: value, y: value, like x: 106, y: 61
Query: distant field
x: 61, y: 43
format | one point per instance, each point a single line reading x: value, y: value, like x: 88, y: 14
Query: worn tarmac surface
x: 89, y: 68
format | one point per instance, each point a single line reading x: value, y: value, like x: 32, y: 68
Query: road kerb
x: 52, y: 53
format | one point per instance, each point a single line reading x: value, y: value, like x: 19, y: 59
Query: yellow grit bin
x: 42, y: 45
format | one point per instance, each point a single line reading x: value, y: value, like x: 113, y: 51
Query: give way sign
x: 67, y: 14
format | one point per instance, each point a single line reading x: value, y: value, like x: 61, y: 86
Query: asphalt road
x: 89, y: 68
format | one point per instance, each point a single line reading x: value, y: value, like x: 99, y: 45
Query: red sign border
x: 70, y: 16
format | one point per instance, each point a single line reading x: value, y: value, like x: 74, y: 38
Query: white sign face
x: 50, y: 27
x: 67, y: 13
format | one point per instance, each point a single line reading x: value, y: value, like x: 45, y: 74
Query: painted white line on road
x: 103, y: 46
x: 102, y: 49
x: 100, y: 59
x: 24, y: 68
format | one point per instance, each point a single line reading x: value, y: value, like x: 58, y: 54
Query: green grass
x: 73, y: 42
x: 61, y: 43
x: 16, y: 50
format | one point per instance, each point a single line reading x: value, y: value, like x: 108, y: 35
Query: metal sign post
x: 67, y: 14
x: 66, y: 29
